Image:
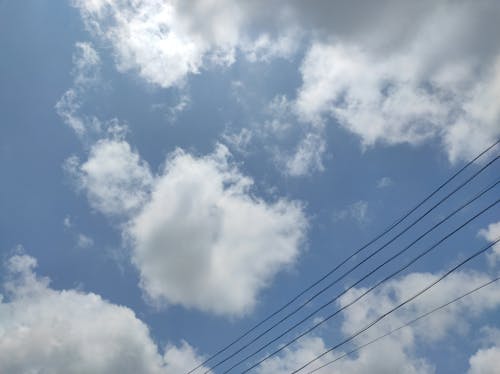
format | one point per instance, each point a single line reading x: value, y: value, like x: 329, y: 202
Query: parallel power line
x: 316, y: 325
x: 353, y: 268
x: 326, y: 275
x: 406, y: 324
x: 392, y: 310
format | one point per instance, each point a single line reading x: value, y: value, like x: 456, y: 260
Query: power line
x: 316, y: 325
x: 380, y: 318
x: 326, y: 275
x: 334, y: 282
x: 358, y: 348
x: 377, y: 268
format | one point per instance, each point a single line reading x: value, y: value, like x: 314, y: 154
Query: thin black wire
x: 358, y: 348
x: 315, y: 283
x: 331, y: 284
x: 359, y: 281
x: 377, y: 320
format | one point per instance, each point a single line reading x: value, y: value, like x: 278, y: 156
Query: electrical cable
x: 316, y: 325
x: 380, y: 318
x: 331, y: 284
x: 406, y: 324
x: 326, y: 275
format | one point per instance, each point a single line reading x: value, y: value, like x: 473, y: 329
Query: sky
x: 173, y: 172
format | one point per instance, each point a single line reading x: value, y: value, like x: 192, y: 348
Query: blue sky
x: 179, y: 170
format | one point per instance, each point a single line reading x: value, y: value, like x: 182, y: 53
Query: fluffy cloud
x: 115, y: 179
x: 440, y: 82
x: 166, y: 41
x: 307, y: 158
x: 199, y: 236
x: 384, y: 182
x: 86, y: 64
x: 68, y: 331
x: 436, y: 327
x: 194, y: 228
x: 204, y: 241
x: 388, y: 356
x: 485, y: 361
x: 281, y: 130
x: 84, y: 241
x: 357, y: 211
x: 434, y: 76
x: 492, y: 233
x: 398, y: 353
x: 305, y: 350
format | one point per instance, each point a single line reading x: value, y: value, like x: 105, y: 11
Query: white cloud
x: 384, y: 182
x: 172, y: 112
x: 485, y: 361
x: 440, y: 83
x: 86, y: 63
x: 307, y: 158
x: 378, y: 100
x: 84, y: 241
x: 239, y: 141
x: 478, y: 126
x: 292, y: 358
x: 454, y: 318
x: 398, y: 353
x: 199, y: 236
x: 434, y: 76
x: 166, y: 41
x: 204, y: 241
x: 266, y: 48
x: 357, y: 211
x: 67, y: 222
x: 68, y: 331
x: 492, y: 233
x: 388, y: 356
x: 115, y: 179
x: 67, y: 107
x: 86, y: 70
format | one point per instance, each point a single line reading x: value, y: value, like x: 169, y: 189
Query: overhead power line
x: 346, y: 273
x: 326, y: 275
x: 399, y: 253
x: 422, y: 316
x: 392, y: 310
x: 316, y: 325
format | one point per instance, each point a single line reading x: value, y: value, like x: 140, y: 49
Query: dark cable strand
x: 358, y: 348
x: 326, y: 275
x: 377, y: 268
x: 331, y: 284
x: 380, y: 318
x: 359, y: 297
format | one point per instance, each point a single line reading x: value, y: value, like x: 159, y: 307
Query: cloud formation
x: 398, y: 353
x: 86, y: 71
x: 199, y: 236
x: 204, y: 241
x: 166, y: 41
x: 492, y: 233
x: 384, y: 182
x: 435, y: 76
x: 485, y: 361
x: 389, y: 99
x: 69, y: 331
x: 114, y: 178
x: 357, y: 211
